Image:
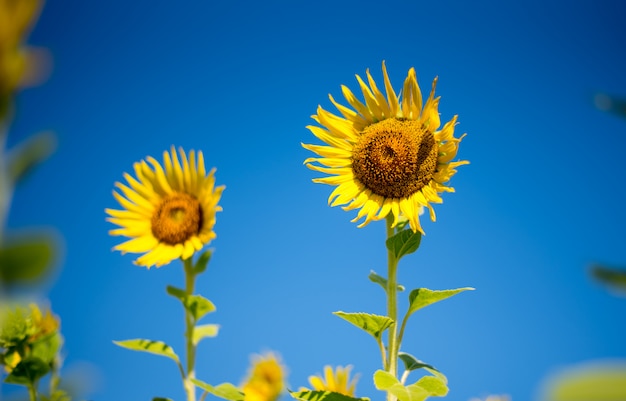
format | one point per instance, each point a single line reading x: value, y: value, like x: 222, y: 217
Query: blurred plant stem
x: 392, y: 307
x: 190, y: 281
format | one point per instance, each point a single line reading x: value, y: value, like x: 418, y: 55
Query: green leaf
x: 153, y: 347
x: 26, y: 258
x: 22, y: 159
x: 403, y: 243
x: 422, y: 297
x: 202, y: 261
x: 372, y: 324
x: 419, y: 391
x: 412, y: 363
x: 197, y: 305
x: 323, y: 396
x: 225, y: 390
x: 434, y: 385
x: 593, y: 380
x: 47, y: 348
x: 613, y: 278
x: 161, y: 399
x: 375, y: 278
x: 176, y: 292
x: 204, y: 331
x: 29, y: 370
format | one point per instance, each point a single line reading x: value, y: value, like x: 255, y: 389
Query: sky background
x: 541, y: 200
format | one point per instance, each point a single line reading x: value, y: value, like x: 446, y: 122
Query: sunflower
x: 337, y: 381
x: 266, y: 379
x: 169, y: 213
x: 386, y: 155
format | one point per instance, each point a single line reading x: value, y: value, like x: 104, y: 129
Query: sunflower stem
x: 190, y: 388
x: 392, y: 307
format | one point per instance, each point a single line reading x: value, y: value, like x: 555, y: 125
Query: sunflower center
x: 178, y: 217
x: 395, y: 158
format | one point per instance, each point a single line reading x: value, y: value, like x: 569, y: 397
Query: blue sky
x: 541, y: 200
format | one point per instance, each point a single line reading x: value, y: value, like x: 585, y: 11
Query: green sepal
x: 380, y: 280
x: 323, y: 396
x: 421, y: 297
x: 22, y: 159
x: 28, y: 371
x: 227, y: 391
x: 26, y: 258
x: 425, y: 387
x: 412, y: 363
x: 404, y: 243
x: 153, y: 347
x: 197, y: 305
x: 204, y: 331
x: 203, y: 261
x: 375, y: 325
x: 46, y: 348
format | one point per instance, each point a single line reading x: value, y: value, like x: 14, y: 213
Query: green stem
x: 392, y: 307
x: 190, y: 388
x: 32, y: 392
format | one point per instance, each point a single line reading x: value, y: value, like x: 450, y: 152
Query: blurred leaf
x: 419, y: 391
x: 323, y: 396
x: 613, y: 278
x: 372, y: 324
x: 412, y: 363
x: 204, y: 331
x: 422, y: 297
x: 22, y: 159
x: 161, y: 399
x: 26, y: 258
x: 153, y: 347
x: 197, y: 305
x: 202, y: 261
x: 28, y: 371
x: 611, y: 104
x: 375, y: 278
x: 597, y: 381
x: 403, y: 243
x: 225, y: 390
x: 47, y: 347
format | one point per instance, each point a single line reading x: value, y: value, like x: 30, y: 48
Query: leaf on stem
x: 23, y: 158
x: 425, y: 387
x: 202, y: 261
x: 422, y: 297
x: 372, y: 324
x: 323, y: 396
x: 204, y: 331
x: 375, y: 278
x: 28, y: 371
x: 197, y: 305
x: 412, y: 363
x: 153, y: 347
x: 404, y: 243
x: 225, y: 390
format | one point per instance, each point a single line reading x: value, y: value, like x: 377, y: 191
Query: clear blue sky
x: 542, y: 199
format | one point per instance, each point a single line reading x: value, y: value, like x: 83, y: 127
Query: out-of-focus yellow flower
x: 168, y: 213
x: 43, y: 323
x: 266, y: 378
x: 337, y: 381
x: 387, y: 155
x: 16, y: 18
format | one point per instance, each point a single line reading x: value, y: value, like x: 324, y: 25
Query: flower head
x: 337, y: 381
x: 387, y: 155
x: 266, y: 379
x: 168, y: 213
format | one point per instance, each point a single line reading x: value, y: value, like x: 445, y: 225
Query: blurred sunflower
x: 387, y: 155
x: 266, y: 379
x: 169, y: 213
x: 337, y: 381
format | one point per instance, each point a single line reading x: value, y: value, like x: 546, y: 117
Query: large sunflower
x: 386, y: 155
x: 167, y: 213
